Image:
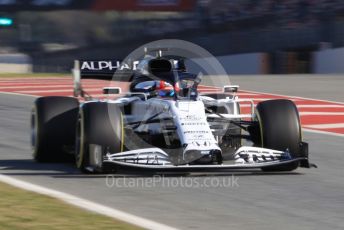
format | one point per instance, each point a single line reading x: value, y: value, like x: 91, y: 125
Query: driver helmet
x: 165, y: 89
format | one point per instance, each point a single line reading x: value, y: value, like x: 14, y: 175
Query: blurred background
x: 248, y: 36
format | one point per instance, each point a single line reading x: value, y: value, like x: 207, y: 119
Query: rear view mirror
x: 112, y: 90
x: 230, y: 88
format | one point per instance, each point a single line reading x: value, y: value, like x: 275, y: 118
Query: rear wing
x: 102, y: 70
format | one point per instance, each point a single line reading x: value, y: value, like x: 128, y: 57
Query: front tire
x: 280, y: 129
x: 99, y: 130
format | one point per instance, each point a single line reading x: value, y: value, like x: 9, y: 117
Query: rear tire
x: 280, y: 129
x: 53, y: 122
x: 97, y: 128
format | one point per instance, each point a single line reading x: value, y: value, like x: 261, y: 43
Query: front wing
x: 249, y: 158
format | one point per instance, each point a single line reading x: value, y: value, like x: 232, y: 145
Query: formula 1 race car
x: 164, y: 123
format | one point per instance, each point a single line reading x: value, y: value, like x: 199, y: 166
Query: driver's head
x: 165, y: 89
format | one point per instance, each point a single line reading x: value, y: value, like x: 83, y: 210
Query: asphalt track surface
x: 304, y: 199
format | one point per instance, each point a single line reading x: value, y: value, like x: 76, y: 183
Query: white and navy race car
x: 164, y: 124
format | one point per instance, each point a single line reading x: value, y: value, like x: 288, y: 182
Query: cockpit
x: 164, y: 77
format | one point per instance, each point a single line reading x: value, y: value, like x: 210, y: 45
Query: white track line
x: 326, y: 126
x: 322, y: 132
x: 57, y: 90
x: 16, y: 79
x: 320, y: 106
x: 35, y: 86
x: 264, y: 99
x: 47, y: 91
x: 18, y: 94
x: 2, y: 84
x: 321, y: 113
x: 303, y: 98
x: 37, y: 81
x: 306, y: 106
x: 47, y: 86
x: 86, y: 204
